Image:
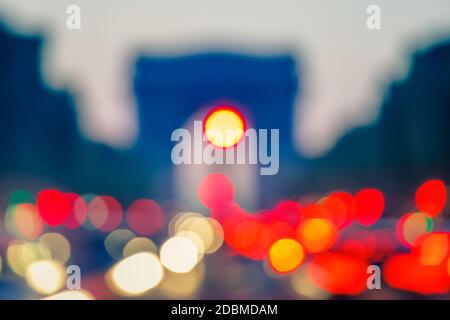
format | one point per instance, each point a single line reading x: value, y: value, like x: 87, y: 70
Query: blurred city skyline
x: 87, y: 177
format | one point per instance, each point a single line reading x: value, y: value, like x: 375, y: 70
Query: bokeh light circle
x: 179, y: 254
x: 21, y: 254
x: 45, y: 276
x: 338, y: 273
x: 145, y: 217
x: 369, y: 206
x: 71, y: 295
x: 139, y: 244
x: 105, y: 213
x: 137, y: 274
x: 58, y: 246
x: 431, y: 197
x: 116, y: 242
x: 78, y: 211
x: 411, y: 226
x: 53, y: 207
x: 27, y: 220
x: 224, y: 127
x: 317, y: 235
x: 286, y: 255
x: 216, y: 191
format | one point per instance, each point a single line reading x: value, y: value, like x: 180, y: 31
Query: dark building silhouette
x: 39, y: 138
x: 408, y: 144
x: 170, y: 90
x: 39, y: 134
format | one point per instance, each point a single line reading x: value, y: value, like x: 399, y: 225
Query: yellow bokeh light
x: 179, y: 254
x: 179, y: 219
x: 217, y: 240
x: 199, y: 226
x: 195, y: 238
x: 285, y: 255
x: 136, y: 274
x: 21, y: 254
x: 302, y: 285
x: 183, y: 285
x: 116, y: 241
x: 45, y: 276
x: 70, y: 295
x: 224, y: 128
x: 58, y: 246
x: 208, y: 229
x: 139, y: 244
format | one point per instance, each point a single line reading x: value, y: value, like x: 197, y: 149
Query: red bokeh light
x: 316, y: 210
x: 216, y: 191
x: 338, y: 273
x: 252, y: 239
x: 369, y: 206
x: 432, y: 248
x: 348, y: 201
x: 78, y: 211
x: 431, y: 197
x: 280, y: 230
x: 386, y: 243
x: 336, y: 209
x: 288, y: 211
x: 105, y: 213
x: 53, y: 207
x: 145, y: 217
x: 360, y: 243
x: 355, y: 248
x: 404, y: 271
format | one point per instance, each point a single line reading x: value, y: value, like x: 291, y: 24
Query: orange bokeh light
x: 252, y: 239
x: 317, y: 235
x: 432, y: 249
x: 448, y: 267
x: 28, y: 221
x: 286, y: 255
